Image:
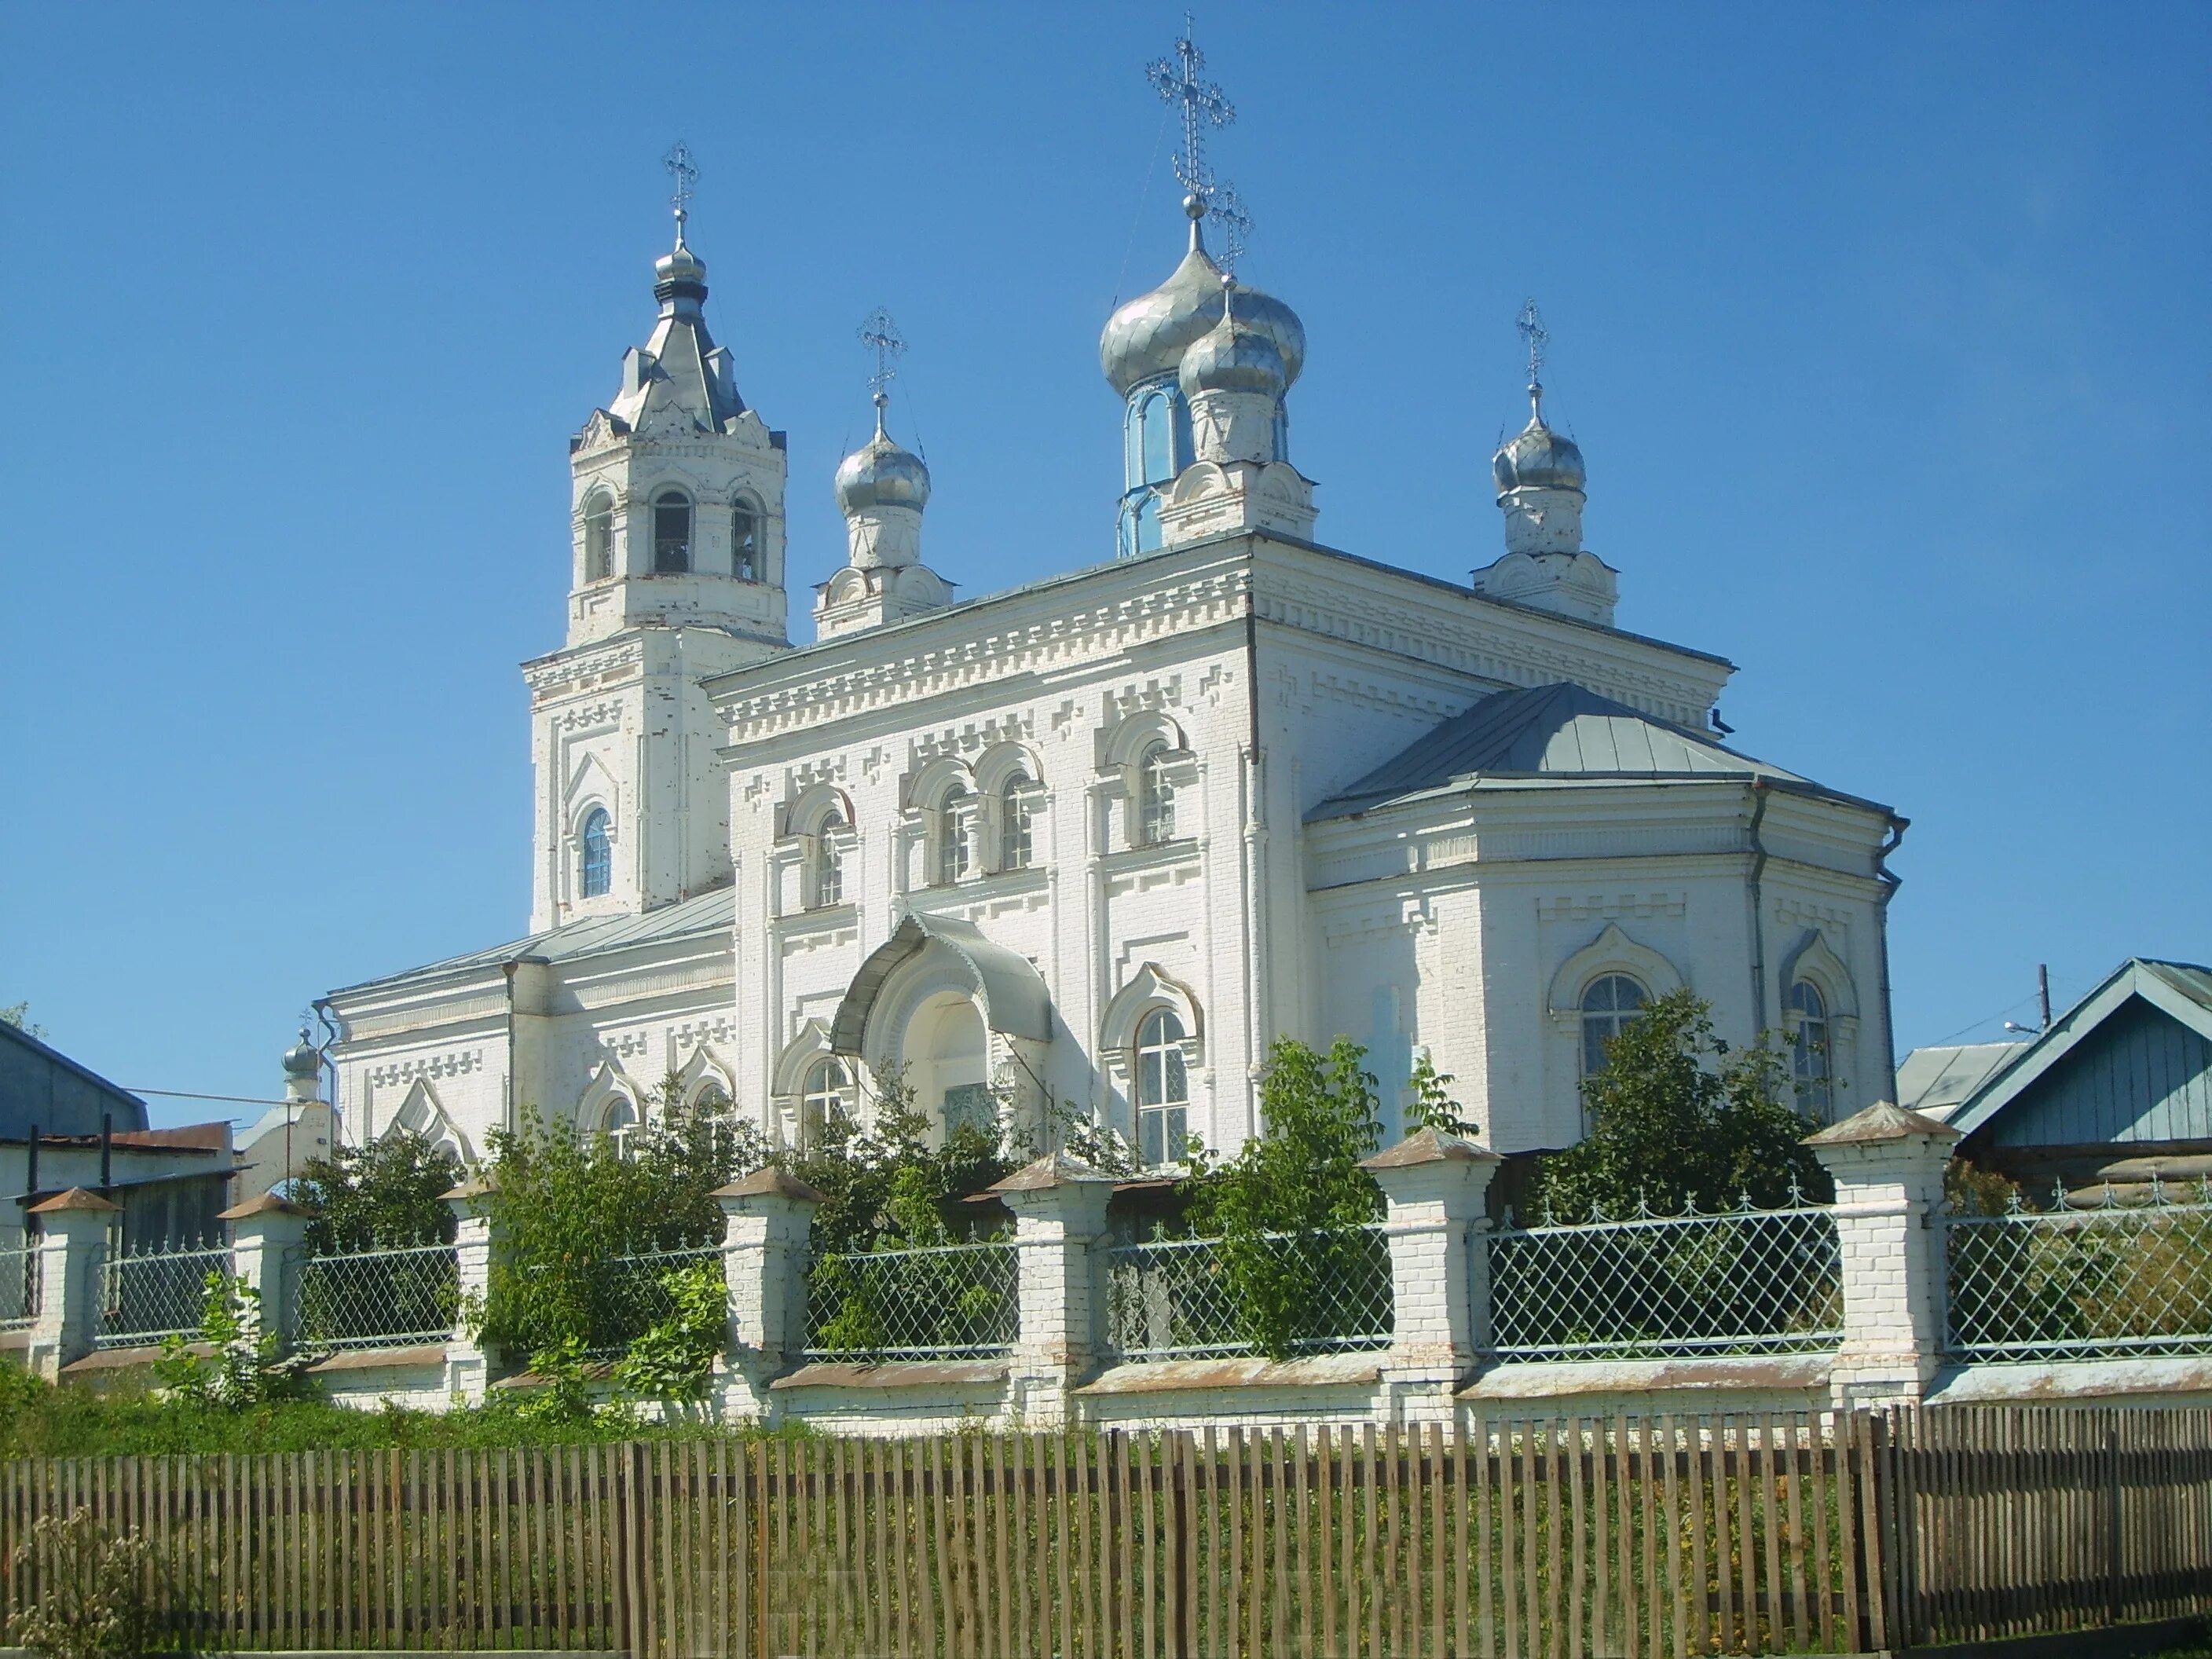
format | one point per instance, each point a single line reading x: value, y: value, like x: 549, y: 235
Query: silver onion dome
x: 1148, y: 337
x: 1234, y: 355
x: 881, y: 474
x: 679, y: 271
x: 1538, y: 457
x: 302, y: 1060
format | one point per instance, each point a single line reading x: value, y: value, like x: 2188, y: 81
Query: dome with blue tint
x: 1147, y: 337
x: 881, y: 474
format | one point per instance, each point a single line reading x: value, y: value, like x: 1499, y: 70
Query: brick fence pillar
x: 768, y: 1228
x: 1059, y: 1224
x: 74, y: 1235
x: 1435, y: 1186
x: 468, y: 1363
x: 1889, y: 1168
x: 267, y: 1236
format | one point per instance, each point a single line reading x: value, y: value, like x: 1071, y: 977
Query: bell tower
x: 677, y: 555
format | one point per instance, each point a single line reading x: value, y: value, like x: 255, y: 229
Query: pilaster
x: 1889, y: 1167
x: 1060, y: 1226
x: 768, y: 1228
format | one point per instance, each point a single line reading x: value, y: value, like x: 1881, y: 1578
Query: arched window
x: 1015, y: 838
x: 599, y: 539
x: 712, y: 1101
x: 1155, y: 422
x: 598, y: 860
x: 951, y: 837
x: 618, y: 1123
x: 1149, y: 538
x: 827, y: 1097
x: 1156, y: 798
x: 671, y: 533
x: 1610, y: 1004
x: 1163, y: 1089
x: 826, y: 883
x: 1808, y: 1049
x: 745, y: 541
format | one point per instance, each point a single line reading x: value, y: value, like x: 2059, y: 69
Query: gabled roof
x: 41, y: 1085
x: 1560, y: 730
x: 2181, y: 990
x: 705, y: 913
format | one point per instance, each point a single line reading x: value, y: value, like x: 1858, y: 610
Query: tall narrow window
x: 598, y: 856
x: 951, y: 837
x: 825, y: 1098
x: 1014, y: 830
x: 599, y: 539
x: 1610, y: 1006
x: 1156, y: 416
x: 619, y: 1125
x: 1808, y: 1049
x: 671, y: 533
x: 1163, y: 1090
x: 827, y: 885
x: 745, y: 541
x: 1156, y: 798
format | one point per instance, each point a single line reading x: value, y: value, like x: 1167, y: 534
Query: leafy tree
x: 246, y: 1367
x: 1299, y: 1175
x: 1677, y: 1117
x: 385, y: 1196
x: 1433, y: 1106
x: 18, y: 1014
x: 564, y: 1203
x: 674, y: 1361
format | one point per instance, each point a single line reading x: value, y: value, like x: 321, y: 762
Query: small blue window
x: 1156, y: 416
x: 1148, y: 524
x: 598, y: 856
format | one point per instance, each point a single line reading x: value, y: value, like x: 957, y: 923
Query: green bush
x: 385, y: 1196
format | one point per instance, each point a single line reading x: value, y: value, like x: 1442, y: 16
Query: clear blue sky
x: 1884, y: 328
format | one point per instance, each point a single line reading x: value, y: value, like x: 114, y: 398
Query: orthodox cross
x: 1204, y: 105
x: 881, y: 335
x: 1529, y: 325
x: 1226, y: 209
x: 685, y: 172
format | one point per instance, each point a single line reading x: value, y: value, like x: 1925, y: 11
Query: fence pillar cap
x: 1053, y: 1169
x: 1430, y: 1146
x: 77, y: 1198
x: 1884, y: 1125
x: 771, y: 1180
x: 267, y: 1204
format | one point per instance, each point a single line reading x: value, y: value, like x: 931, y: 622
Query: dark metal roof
x: 42, y: 1086
x: 1560, y: 730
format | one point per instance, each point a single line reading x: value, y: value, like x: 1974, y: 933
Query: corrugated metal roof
x: 1558, y: 730
x: 1936, y: 1081
x: 705, y: 913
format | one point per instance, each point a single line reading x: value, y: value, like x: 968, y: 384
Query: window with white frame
x: 952, y: 859
x: 1610, y: 1006
x: 825, y: 874
x: 745, y: 541
x: 1810, y: 1055
x: 1163, y: 1089
x: 1156, y: 798
x: 1016, y: 836
x: 619, y: 1124
x: 596, y: 858
x: 671, y: 533
x: 599, y: 539
x: 825, y: 1097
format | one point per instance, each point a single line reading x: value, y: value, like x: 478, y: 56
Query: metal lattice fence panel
x: 942, y: 1302
x: 145, y: 1298
x: 629, y: 1294
x: 378, y: 1299
x: 1309, y: 1292
x: 19, y: 1287
x: 2082, y: 1283
x: 1742, y: 1282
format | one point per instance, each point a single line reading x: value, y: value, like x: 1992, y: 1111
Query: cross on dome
x: 1204, y: 105
x: 686, y: 173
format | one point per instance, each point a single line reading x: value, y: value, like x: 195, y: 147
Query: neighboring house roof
x: 1936, y: 1081
x: 1544, y: 731
x: 2130, y: 1061
x: 42, y: 1087
x: 714, y: 912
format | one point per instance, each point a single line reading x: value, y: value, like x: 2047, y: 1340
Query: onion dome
x: 680, y: 273
x: 1147, y: 337
x: 301, y: 1061
x: 881, y: 474
x: 1234, y: 355
x: 1538, y: 457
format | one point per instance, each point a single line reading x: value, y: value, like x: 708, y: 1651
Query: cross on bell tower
x: 684, y: 171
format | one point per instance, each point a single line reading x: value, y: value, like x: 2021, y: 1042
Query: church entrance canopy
x: 1012, y: 998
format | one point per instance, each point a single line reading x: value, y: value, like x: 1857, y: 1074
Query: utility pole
x: 2043, y: 993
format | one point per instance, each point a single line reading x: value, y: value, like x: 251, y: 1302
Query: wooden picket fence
x: 1512, y: 1540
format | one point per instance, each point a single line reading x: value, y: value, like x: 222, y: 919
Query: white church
x: 1093, y: 842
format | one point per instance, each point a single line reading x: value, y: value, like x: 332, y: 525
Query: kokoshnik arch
x: 1099, y: 839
